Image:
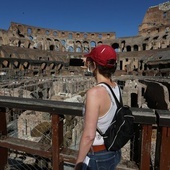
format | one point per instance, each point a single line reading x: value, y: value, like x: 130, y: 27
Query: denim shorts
x: 104, y: 160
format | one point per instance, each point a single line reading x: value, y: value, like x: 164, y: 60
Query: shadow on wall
x: 154, y: 96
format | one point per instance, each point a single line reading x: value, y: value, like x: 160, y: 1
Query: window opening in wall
x: 92, y: 35
x: 144, y: 46
x: 134, y: 100
x: 121, y: 63
x: 128, y: 48
x: 25, y: 65
x: 155, y: 38
x: 29, y: 31
x: 47, y: 32
x: 135, y: 47
x: 127, y: 59
x: 125, y: 68
x: 92, y: 44
x: 121, y: 84
x: 141, y: 64
x: 146, y: 39
x: 108, y: 36
x: 51, y: 47
x: 63, y: 42
x: 86, y: 46
x: 78, y: 49
x: 164, y: 14
x: 100, y: 36
x: 134, y: 68
x: 164, y: 37
x: 55, y: 33
x: 52, y: 65
x: 143, y: 91
x: 5, y: 64
x: 19, y: 43
x: 78, y: 35
x: 63, y: 34
x: 115, y: 46
x: 26, y: 126
x: 78, y: 43
x: 70, y: 36
x: 38, y: 31
x: 86, y: 49
x: 16, y: 64
x: 85, y: 35
x: 145, y: 66
x: 70, y: 49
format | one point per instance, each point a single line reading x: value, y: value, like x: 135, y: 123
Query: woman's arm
x: 90, y: 123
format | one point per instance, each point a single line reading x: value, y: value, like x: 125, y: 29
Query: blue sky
x: 120, y: 16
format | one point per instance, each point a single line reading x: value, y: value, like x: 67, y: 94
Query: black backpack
x: 121, y: 129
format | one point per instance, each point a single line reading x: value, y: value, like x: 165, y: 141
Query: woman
x: 100, y: 108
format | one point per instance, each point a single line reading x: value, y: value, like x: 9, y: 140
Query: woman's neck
x: 101, y: 78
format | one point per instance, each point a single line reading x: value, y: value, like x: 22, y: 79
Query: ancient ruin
x: 34, y: 63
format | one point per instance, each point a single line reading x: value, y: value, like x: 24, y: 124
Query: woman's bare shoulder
x: 96, y: 90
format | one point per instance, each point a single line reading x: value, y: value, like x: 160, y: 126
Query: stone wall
x: 56, y: 45
x: 35, y: 44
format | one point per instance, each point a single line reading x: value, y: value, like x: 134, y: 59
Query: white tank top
x: 105, y: 120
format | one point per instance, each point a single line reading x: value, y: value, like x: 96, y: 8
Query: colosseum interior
x: 35, y: 63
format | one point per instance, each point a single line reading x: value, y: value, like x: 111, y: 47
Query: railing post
x: 146, y: 147
x: 146, y: 118
x: 162, y: 158
x: 136, y: 145
x: 57, y: 141
x: 3, y: 132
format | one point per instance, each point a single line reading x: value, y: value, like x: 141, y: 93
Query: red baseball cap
x: 103, y: 55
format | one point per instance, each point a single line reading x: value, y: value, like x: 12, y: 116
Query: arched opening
x: 92, y: 44
x: 144, y: 47
x: 115, y: 46
x: 134, y: 100
x: 135, y: 47
x: 70, y: 49
x: 128, y: 48
x: 51, y: 47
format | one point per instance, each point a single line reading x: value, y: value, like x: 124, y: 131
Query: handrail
x: 146, y: 118
x: 54, y: 107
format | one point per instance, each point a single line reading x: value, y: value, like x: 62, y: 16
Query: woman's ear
x: 91, y: 66
x: 94, y: 66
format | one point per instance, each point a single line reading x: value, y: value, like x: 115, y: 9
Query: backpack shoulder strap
x: 121, y: 101
x: 119, y: 104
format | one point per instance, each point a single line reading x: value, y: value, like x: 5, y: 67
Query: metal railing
x: 146, y: 121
